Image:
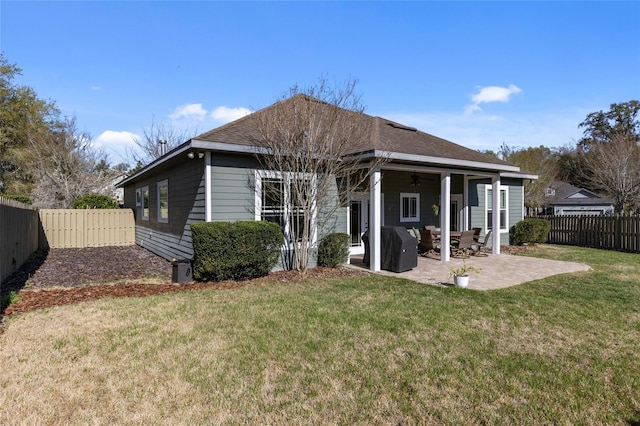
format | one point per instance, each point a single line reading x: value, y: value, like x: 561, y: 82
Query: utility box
x: 181, y: 271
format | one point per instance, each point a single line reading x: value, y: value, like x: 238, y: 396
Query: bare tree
x: 609, y: 153
x: 613, y: 168
x: 312, y: 141
x: 158, y: 139
x: 67, y: 166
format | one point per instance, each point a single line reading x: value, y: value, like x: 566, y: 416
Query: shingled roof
x: 386, y: 136
x: 388, y: 139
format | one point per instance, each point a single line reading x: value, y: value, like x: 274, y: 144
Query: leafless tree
x: 67, y: 166
x: 613, y: 168
x: 608, y: 156
x: 312, y: 140
x: 149, y: 144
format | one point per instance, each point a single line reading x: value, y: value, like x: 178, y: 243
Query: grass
x: 370, y: 350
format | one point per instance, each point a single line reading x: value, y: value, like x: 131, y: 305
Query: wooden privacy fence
x: 603, y: 232
x: 69, y: 228
x: 18, y: 235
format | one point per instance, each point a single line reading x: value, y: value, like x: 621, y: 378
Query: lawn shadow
x: 18, y: 280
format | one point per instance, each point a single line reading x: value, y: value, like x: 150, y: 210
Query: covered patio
x: 498, y: 270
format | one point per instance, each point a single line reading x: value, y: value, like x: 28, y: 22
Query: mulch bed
x: 64, y: 276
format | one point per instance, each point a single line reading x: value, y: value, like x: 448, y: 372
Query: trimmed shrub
x: 94, y: 201
x: 234, y: 251
x: 531, y: 231
x: 333, y: 250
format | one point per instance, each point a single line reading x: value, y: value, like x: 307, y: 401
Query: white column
x: 465, y: 204
x: 495, y: 225
x: 375, y: 219
x: 207, y: 186
x: 445, y: 207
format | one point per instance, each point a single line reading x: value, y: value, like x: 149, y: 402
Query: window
x: 281, y: 198
x: 163, y: 201
x: 409, y: 207
x: 145, y: 203
x: 273, y: 201
x: 504, y: 211
x: 138, y: 197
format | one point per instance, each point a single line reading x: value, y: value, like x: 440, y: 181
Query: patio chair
x: 481, y: 246
x: 427, y: 244
x: 461, y: 246
x: 432, y: 229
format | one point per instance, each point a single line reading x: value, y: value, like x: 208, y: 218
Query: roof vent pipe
x: 163, y: 146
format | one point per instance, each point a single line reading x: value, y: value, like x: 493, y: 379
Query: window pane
x: 163, y: 201
x: 273, y: 201
x: 503, y: 199
x: 272, y: 193
x: 489, y: 219
x: 145, y: 202
x: 503, y: 219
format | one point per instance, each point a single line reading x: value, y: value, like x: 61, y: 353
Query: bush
x: 234, y: 251
x: 333, y: 250
x: 94, y: 201
x: 531, y: 231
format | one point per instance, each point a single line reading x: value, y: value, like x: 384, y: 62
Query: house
x: 215, y: 177
x: 563, y: 199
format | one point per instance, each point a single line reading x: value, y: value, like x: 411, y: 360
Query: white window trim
x: 142, y: 206
x: 286, y: 176
x: 160, y: 185
x: 488, y: 207
x: 415, y: 218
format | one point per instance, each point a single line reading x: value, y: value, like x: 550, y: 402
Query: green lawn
x: 370, y: 350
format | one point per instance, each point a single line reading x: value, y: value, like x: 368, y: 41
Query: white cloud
x: 225, y: 114
x: 95, y: 88
x: 188, y: 111
x: 485, y: 95
x: 116, y: 144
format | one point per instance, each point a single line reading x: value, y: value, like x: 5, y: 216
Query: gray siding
x: 477, y: 204
x: 394, y: 183
x: 232, y: 194
x: 186, y: 205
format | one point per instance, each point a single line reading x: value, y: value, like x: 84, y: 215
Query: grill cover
x: 398, y: 251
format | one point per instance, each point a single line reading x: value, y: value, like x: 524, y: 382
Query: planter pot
x: 461, y: 280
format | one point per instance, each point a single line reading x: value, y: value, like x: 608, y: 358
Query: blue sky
x: 477, y: 73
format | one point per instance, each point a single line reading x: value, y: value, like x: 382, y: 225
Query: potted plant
x: 461, y: 274
x: 436, y: 208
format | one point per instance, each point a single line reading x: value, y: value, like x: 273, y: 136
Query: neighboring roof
x: 567, y: 194
x: 392, y: 140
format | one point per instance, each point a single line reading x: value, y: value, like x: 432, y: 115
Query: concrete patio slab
x: 498, y: 270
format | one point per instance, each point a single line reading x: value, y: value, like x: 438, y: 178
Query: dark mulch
x: 63, y: 276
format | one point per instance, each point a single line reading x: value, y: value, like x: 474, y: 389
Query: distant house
x: 564, y: 199
x: 216, y: 176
